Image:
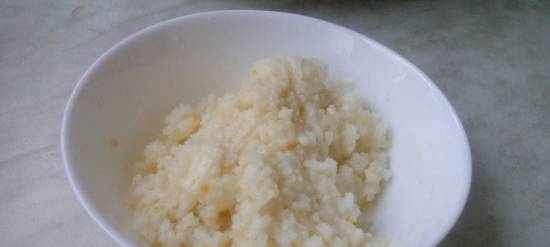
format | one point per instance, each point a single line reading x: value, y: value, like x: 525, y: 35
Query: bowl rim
x: 100, y: 220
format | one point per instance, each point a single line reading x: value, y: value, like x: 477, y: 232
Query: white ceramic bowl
x: 127, y: 92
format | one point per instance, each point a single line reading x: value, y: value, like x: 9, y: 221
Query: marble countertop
x: 492, y: 60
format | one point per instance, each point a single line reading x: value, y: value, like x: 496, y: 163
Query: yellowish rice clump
x: 285, y: 161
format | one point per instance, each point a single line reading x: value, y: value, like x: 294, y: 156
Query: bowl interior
x: 125, y: 95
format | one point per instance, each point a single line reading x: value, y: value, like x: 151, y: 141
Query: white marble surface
x: 491, y: 59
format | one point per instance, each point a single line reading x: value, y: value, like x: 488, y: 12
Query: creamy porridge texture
x: 287, y: 160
